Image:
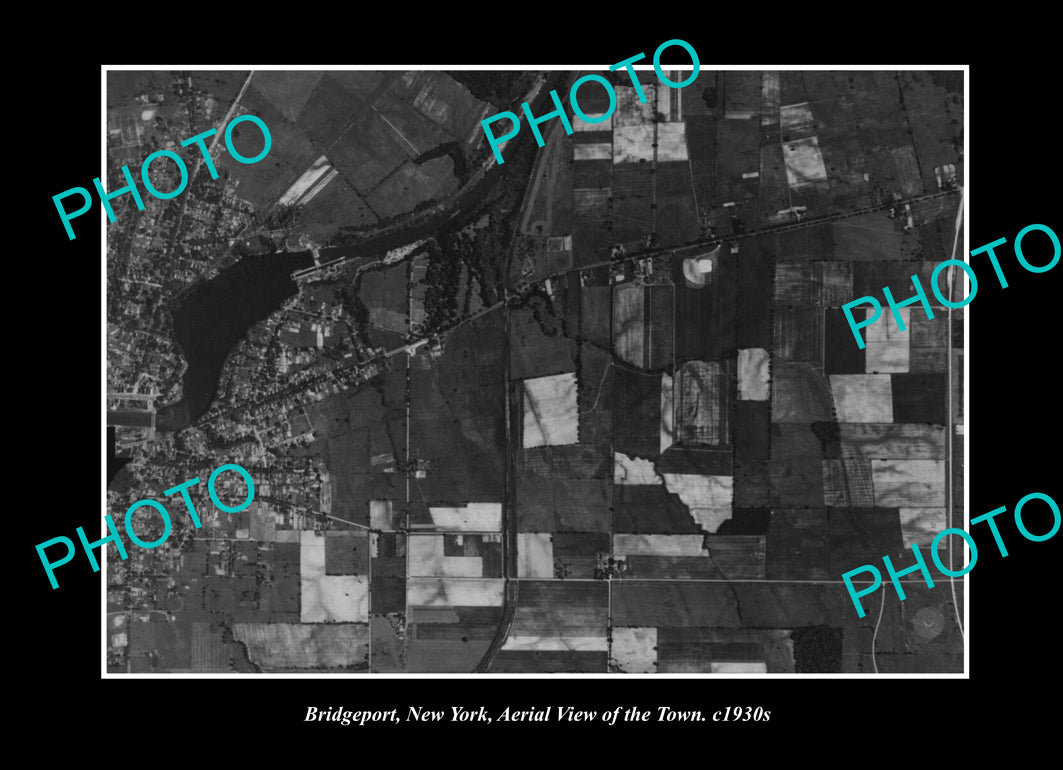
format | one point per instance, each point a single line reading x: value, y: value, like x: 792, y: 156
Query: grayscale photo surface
x: 593, y: 410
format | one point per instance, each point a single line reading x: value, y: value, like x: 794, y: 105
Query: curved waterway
x: 214, y: 316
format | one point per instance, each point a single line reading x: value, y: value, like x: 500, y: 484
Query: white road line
x: 402, y: 136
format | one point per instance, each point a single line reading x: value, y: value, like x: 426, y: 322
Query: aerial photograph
x: 522, y: 393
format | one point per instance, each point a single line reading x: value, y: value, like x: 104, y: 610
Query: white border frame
x: 104, y: 69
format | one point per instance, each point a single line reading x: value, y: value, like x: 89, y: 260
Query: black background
x: 1013, y: 421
